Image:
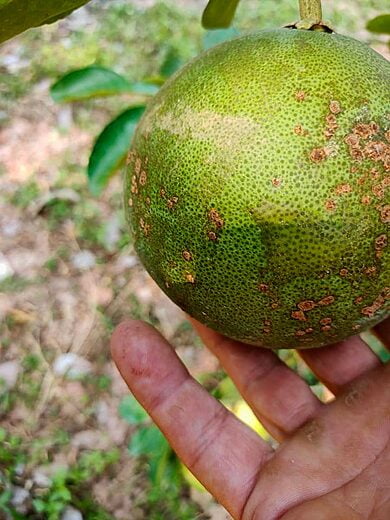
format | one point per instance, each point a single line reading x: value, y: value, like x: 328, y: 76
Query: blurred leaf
x: 219, y: 13
x: 18, y: 15
x: 131, y: 411
x: 148, y: 441
x: 111, y: 148
x: 171, y: 64
x: 212, y: 38
x: 380, y: 24
x: 89, y: 82
x: 144, y: 87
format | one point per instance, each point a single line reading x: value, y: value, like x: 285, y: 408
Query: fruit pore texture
x: 257, y: 188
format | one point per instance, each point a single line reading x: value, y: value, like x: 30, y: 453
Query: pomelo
x: 257, y: 188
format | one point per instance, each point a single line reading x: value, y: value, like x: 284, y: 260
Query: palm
x: 333, y: 461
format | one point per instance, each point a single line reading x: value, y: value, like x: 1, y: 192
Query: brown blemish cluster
x: 276, y: 182
x: 377, y: 304
x: 343, y: 272
x: 318, y: 155
x: 343, y: 189
x: 308, y: 305
x: 385, y: 214
x: 370, y: 271
x: 335, y: 107
x: 380, y: 244
x: 330, y: 205
x: 299, y: 130
x: 215, y: 218
x: 171, y: 201
x: 300, y: 95
x: 331, y: 120
x: 375, y: 150
x: 187, y: 255
x: 190, y: 278
x: 144, y: 226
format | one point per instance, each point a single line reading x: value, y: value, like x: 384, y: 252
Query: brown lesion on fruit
x: 187, y: 255
x: 384, y: 212
x: 335, y: 107
x: 327, y: 300
x: 215, y: 218
x: 370, y: 271
x: 343, y: 272
x: 300, y: 95
x: 298, y: 315
x: 130, y: 157
x: 276, y: 182
x: 134, y: 185
x: 326, y: 321
x: 326, y: 328
x: 306, y: 305
x: 211, y: 235
x: 378, y: 191
x: 365, y: 131
x: 343, y: 189
x: 300, y: 333
x: 366, y: 200
x: 377, y: 304
x: 274, y: 305
x: 358, y: 300
x: 330, y: 205
x: 148, y: 201
x: 318, y: 155
x: 331, y: 126
x: 137, y: 165
x: 145, y: 227
x: 380, y: 242
x: 143, y: 178
x: 172, y: 201
x: 299, y: 130
x: 189, y: 277
x: 162, y: 193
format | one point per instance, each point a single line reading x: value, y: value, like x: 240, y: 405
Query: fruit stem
x: 310, y: 10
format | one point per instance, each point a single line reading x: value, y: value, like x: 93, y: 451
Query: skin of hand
x: 333, y: 460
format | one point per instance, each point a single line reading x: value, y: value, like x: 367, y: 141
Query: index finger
x: 222, y: 452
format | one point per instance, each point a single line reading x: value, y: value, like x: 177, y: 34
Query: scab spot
x: 328, y: 300
x: 263, y: 287
x: 215, y: 217
x: 211, y: 235
x: 343, y: 272
x: 334, y: 107
x: 318, y: 155
x: 306, y: 305
x: 298, y: 315
x: 300, y: 95
x: 330, y: 205
x: 190, y: 278
x: 187, y: 255
x: 172, y: 201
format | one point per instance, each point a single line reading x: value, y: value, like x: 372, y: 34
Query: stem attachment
x: 311, y: 10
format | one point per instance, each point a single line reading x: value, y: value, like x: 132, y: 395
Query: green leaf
x: 171, y: 64
x: 131, y: 411
x: 143, y: 87
x: 111, y: 147
x: 212, y: 38
x: 219, y: 14
x: 18, y: 15
x: 148, y: 441
x: 89, y: 82
x: 380, y: 24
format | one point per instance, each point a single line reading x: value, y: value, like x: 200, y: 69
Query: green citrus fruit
x: 258, y: 188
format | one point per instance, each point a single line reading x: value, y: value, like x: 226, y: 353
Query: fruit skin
x: 257, y: 188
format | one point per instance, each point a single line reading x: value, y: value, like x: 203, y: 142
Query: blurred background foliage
x: 73, y: 443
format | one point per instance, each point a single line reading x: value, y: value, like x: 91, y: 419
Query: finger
x: 345, y: 440
x: 339, y: 364
x: 281, y: 400
x: 222, y: 452
x: 382, y: 330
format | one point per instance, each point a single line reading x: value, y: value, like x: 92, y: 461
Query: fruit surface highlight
x: 258, y: 188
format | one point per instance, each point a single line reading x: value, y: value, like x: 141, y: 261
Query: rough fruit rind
x: 257, y: 188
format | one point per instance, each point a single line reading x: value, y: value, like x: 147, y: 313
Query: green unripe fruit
x: 258, y: 188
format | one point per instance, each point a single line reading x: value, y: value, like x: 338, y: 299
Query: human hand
x: 333, y: 462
